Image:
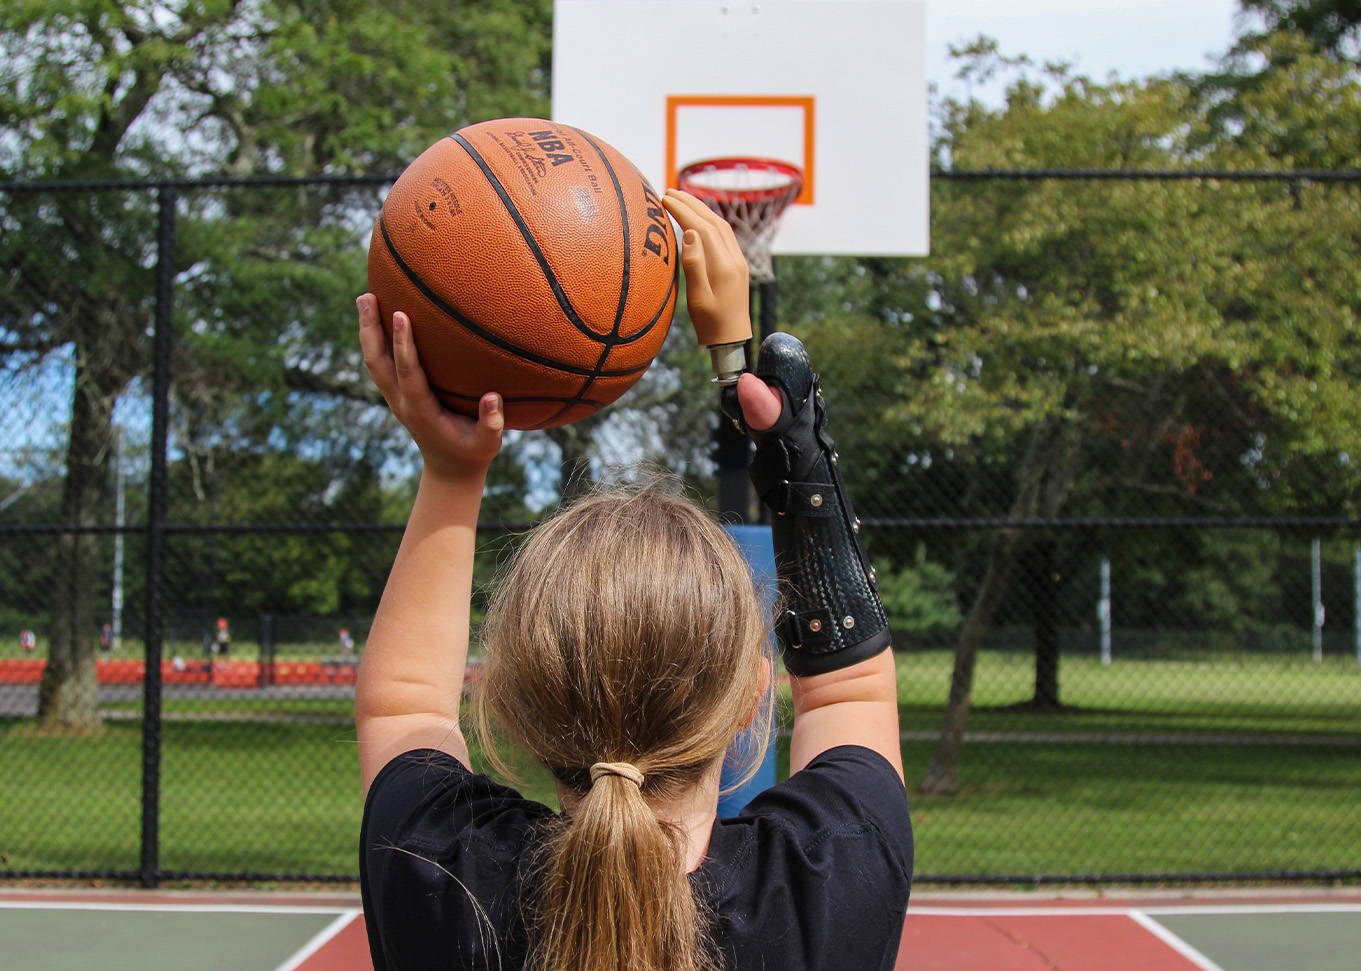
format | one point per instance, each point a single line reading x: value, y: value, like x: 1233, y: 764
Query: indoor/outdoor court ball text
x: 534, y: 260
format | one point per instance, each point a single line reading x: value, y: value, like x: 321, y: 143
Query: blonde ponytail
x: 614, y: 893
x: 628, y: 630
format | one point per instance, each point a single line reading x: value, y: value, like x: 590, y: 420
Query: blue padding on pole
x: 756, y: 543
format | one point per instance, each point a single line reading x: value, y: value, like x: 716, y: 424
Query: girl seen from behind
x: 625, y: 651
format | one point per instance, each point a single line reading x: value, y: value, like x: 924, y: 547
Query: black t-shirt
x: 814, y: 873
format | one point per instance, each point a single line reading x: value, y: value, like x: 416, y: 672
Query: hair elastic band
x: 626, y: 769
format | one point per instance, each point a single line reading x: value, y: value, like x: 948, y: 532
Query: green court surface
x: 126, y: 935
x: 1271, y: 940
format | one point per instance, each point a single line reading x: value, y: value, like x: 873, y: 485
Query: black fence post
x: 157, y: 493
x: 732, y: 449
x: 766, y: 326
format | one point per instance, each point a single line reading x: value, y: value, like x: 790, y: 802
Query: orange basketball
x: 534, y: 260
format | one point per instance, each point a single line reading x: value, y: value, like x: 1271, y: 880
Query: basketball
x: 534, y: 260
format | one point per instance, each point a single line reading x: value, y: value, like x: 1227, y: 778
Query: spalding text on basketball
x: 656, y: 241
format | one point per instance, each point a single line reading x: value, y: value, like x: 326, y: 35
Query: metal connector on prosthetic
x: 729, y: 361
x: 833, y: 617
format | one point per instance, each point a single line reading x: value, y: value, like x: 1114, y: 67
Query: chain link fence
x: 200, y: 497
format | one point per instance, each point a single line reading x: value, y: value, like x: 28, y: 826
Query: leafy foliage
x: 92, y: 90
x: 920, y: 602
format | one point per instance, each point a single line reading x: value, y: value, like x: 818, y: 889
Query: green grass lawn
x: 1125, y: 790
x: 1267, y: 696
x: 1102, y: 808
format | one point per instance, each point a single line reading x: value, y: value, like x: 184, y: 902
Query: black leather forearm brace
x: 831, y: 613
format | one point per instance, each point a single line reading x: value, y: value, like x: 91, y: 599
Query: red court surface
x: 1165, y: 931
x: 1315, y: 930
x: 1015, y: 942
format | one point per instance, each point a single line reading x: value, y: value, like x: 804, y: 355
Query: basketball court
x: 49, y: 930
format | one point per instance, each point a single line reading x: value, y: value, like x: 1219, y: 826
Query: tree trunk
x: 1044, y: 481
x: 1041, y: 583
x: 68, y: 692
x: 942, y: 777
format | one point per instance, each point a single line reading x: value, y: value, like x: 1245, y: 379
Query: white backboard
x: 837, y: 87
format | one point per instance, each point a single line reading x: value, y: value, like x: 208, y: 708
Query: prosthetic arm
x: 832, y: 616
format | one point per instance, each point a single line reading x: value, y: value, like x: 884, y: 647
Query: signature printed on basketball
x: 515, y: 151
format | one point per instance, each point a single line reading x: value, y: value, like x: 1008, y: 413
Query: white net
x: 751, y: 195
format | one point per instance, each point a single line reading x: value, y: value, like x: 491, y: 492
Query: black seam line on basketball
x: 618, y: 341
x: 549, y: 276
x: 610, y: 346
x: 489, y: 337
x: 615, y: 341
x: 623, y: 227
x: 599, y: 365
x: 585, y: 386
x: 605, y: 352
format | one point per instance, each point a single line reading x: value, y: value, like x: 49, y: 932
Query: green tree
x: 919, y: 600
x: 1330, y: 26
x: 1098, y: 340
x: 98, y: 90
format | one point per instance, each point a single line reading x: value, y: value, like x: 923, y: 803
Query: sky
x: 1133, y: 38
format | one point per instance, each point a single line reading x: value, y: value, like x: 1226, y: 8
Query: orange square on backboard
x: 793, y: 121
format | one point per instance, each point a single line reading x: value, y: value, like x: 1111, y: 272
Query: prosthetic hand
x: 832, y: 615
x: 717, y: 286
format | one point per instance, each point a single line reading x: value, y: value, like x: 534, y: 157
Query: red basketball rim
x: 734, y: 171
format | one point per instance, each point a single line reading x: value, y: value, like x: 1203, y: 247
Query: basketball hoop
x: 751, y: 194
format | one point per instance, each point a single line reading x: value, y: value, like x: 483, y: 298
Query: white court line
x: 1299, y: 908
x: 324, y: 935
x: 172, y: 908
x: 1173, y: 941
x: 1165, y: 910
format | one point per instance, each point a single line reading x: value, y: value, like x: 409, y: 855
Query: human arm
x: 411, y: 677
